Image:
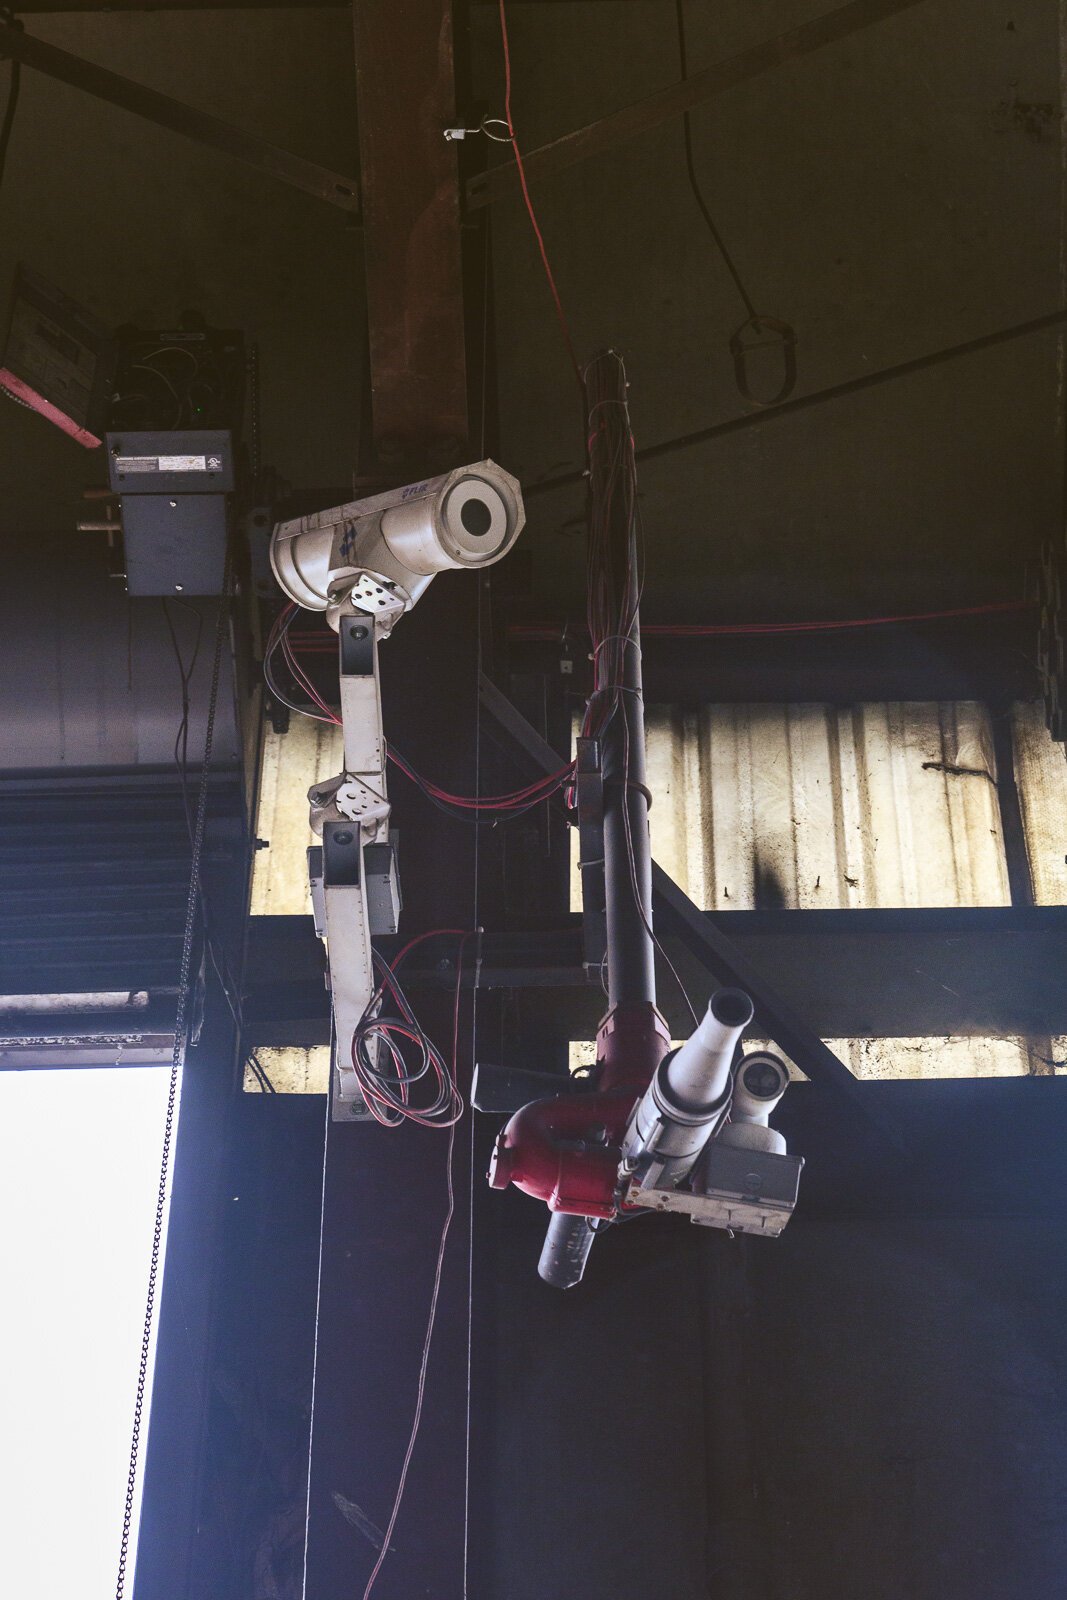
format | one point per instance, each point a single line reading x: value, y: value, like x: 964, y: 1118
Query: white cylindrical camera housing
x: 759, y: 1083
x: 470, y: 517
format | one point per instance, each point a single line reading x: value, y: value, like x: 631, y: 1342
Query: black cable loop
x: 181, y: 1027
x: 781, y: 333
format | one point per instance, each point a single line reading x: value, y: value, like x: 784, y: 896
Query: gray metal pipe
x: 631, y: 966
x: 566, y: 1250
x: 627, y: 850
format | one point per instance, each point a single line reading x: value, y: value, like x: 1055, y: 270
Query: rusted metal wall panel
x: 819, y: 807
x: 878, y: 805
x: 292, y: 1069
x: 804, y: 806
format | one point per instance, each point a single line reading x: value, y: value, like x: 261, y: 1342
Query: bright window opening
x: 919, y: 1058
x: 79, y: 1169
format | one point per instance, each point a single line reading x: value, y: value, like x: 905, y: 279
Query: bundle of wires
x: 169, y: 386
x: 613, y: 595
x: 484, y: 810
x: 278, y: 639
x: 550, y: 632
x: 392, y: 1055
x: 615, y: 581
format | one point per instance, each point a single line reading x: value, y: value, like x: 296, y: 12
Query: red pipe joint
x: 566, y: 1151
x: 630, y: 1044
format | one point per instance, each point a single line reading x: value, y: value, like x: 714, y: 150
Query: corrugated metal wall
x: 912, y: 1058
x: 807, y: 806
x: 814, y: 806
x: 291, y: 762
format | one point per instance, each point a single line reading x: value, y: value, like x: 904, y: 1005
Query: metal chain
x: 253, y: 396
x: 181, y: 1025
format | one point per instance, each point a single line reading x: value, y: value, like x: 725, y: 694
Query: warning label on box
x: 168, y: 464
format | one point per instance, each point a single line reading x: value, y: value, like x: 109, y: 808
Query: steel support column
x: 405, y: 76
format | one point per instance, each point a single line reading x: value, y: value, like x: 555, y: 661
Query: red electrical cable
x: 435, y: 1296
x: 516, y: 800
x: 513, y: 802
x: 531, y: 213
x: 420, y: 938
x: 548, y: 632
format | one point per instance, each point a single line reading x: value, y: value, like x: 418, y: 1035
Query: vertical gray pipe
x: 566, y: 1250
x: 631, y: 962
x: 627, y: 851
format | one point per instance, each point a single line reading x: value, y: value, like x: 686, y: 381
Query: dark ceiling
x: 890, y: 195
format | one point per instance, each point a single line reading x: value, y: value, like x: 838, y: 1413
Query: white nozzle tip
x: 731, y: 1007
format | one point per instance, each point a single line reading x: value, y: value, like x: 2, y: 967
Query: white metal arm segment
x: 365, y: 564
x: 357, y: 879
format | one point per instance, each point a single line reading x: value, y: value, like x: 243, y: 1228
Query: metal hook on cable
x: 783, y: 334
x: 486, y: 126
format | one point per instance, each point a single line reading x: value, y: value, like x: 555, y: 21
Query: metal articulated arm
x: 354, y: 875
x: 365, y: 565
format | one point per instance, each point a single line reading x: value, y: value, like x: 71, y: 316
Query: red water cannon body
x: 567, y: 1151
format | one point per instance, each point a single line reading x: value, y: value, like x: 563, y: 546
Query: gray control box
x: 175, y: 516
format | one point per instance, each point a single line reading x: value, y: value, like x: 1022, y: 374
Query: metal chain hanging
x: 181, y: 1029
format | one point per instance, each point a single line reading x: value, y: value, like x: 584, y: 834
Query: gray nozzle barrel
x: 566, y: 1250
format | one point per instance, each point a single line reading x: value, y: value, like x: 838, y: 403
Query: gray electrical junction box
x: 173, y: 489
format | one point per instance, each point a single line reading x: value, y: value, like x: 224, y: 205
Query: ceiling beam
x: 338, y: 189
x: 975, y: 972
x: 678, y: 98
x: 818, y: 397
x: 42, y: 8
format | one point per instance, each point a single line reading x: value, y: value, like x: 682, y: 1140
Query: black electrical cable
x: 229, y: 985
x: 694, y: 182
x: 260, y: 1073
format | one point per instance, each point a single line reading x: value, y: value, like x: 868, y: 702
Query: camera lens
x: 476, y: 518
